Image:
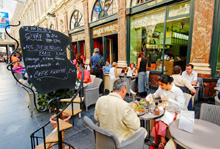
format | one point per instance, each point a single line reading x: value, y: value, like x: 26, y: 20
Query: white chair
x: 128, y: 82
x: 170, y: 144
x: 210, y: 113
x: 133, y: 94
x: 188, y: 97
x: 109, y: 82
x: 217, y: 101
x: 92, y: 78
x: 92, y: 93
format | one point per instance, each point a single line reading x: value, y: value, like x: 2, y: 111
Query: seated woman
x: 175, y: 103
x: 87, y: 77
x: 77, y: 60
x: 131, y: 70
x: 107, y: 67
x: 18, y: 68
x: 113, y: 71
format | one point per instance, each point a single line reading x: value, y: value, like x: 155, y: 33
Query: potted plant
x: 63, y: 117
x: 43, y: 99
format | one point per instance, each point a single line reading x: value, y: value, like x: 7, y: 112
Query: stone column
x: 86, y: 26
x: 65, y: 24
x: 201, y: 37
x: 122, y: 61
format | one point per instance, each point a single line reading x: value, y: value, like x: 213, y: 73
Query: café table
x: 205, y: 135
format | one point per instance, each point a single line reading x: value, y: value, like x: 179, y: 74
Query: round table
x: 205, y: 135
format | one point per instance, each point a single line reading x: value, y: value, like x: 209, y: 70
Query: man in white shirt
x: 115, y: 114
x: 180, y: 81
x: 190, y: 75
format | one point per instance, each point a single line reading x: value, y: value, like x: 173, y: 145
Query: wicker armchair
x: 105, y: 139
x: 210, y: 113
x: 92, y: 93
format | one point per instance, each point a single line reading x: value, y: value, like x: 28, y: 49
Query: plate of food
x: 138, y: 108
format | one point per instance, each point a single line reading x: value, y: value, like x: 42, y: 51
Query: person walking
x: 96, y: 64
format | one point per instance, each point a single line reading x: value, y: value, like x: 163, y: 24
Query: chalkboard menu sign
x: 44, y: 54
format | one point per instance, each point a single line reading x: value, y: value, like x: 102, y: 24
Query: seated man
x: 107, y: 67
x: 115, y: 114
x: 190, y: 75
x: 180, y: 81
x: 87, y: 77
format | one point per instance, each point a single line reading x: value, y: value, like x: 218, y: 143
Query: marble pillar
x: 201, y: 37
x: 122, y: 33
x: 86, y: 26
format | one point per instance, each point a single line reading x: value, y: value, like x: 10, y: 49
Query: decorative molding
x: 202, y: 68
x: 122, y: 63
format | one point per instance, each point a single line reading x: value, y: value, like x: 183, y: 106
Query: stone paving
x: 16, y: 125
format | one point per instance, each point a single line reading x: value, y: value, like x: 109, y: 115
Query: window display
x: 147, y: 35
x: 104, y: 8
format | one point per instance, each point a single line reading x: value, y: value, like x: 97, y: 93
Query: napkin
x: 187, y: 120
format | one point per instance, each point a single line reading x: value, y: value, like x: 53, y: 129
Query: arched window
x: 136, y: 2
x: 76, y: 19
x: 103, y: 8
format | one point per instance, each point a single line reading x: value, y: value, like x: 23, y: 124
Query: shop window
x: 177, y: 35
x: 104, y: 8
x: 218, y: 61
x: 147, y: 35
x: 76, y: 19
x: 147, y: 31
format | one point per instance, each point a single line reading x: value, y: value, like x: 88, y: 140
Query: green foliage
x: 43, y: 99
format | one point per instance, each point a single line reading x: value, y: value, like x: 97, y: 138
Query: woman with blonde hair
x: 113, y: 71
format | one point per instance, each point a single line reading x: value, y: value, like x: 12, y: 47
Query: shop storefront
x: 104, y: 29
x: 78, y: 43
x: 162, y: 34
x: 106, y: 39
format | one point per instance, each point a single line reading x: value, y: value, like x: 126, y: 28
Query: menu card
x: 187, y: 120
